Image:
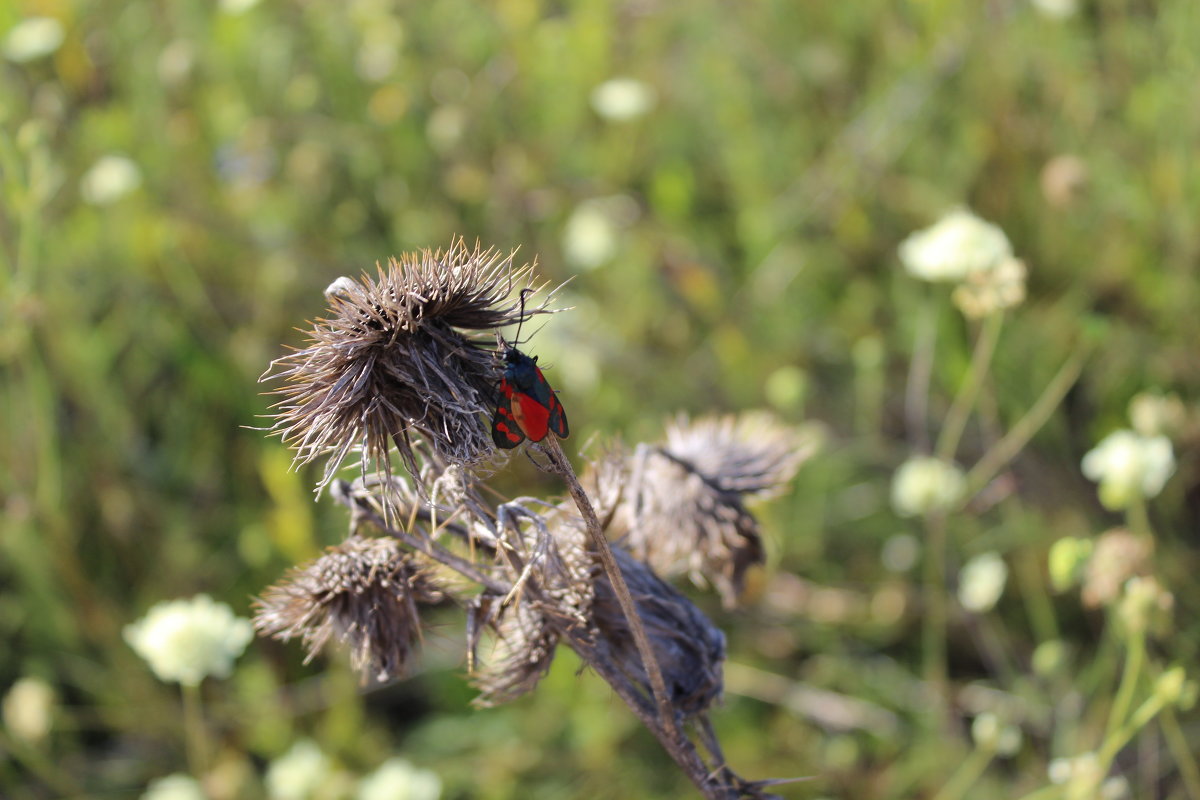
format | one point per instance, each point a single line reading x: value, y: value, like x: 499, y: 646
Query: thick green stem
x: 195, y: 738
x: 1129, y: 680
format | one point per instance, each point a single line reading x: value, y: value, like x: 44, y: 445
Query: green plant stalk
x: 916, y: 392
x: 1038, y: 604
x: 933, y: 638
x: 1137, y: 518
x: 968, y: 392
x: 1019, y: 435
x: 1146, y: 712
x: 1132, y: 671
x: 195, y: 738
x: 37, y: 763
x: 1181, y: 751
x: 967, y: 774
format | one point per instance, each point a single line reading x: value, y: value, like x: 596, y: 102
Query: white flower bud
x: 981, y: 582
x: 923, y: 485
x: 955, y: 246
x: 1128, y: 465
x: 623, y: 98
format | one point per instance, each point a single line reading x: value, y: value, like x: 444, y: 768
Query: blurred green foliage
x: 742, y: 254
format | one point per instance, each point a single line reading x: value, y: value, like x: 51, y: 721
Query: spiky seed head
x: 681, y: 504
x: 364, y: 593
x: 401, y: 360
x: 559, y: 598
x: 752, y: 454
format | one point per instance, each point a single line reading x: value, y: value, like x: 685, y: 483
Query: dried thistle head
x: 689, y: 648
x: 682, y: 507
x: 400, y: 361
x: 752, y: 454
x: 523, y: 651
x: 549, y: 559
x: 364, y: 592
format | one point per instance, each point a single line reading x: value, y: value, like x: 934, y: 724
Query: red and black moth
x: 527, y: 407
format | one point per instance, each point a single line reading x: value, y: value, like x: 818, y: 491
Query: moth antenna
x: 521, y: 316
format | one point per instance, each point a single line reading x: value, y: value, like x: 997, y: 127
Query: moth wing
x: 506, y: 431
x: 531, y: 415
x: 558, y: 418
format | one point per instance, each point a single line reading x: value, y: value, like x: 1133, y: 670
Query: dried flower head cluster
x: 399, y: 361
x: 547, y: 560
x: 689, y: 648
x: 402, y: 362
x: 365, y: 593
x: 680, y: 505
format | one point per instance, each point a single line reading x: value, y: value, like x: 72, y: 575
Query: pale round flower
x: 109, y: 179
x: 1128, y: 465
x: 298, y: 773
x: 33, y: 38
x: 983, y: 292
x: 981, y: 582
x: 590, y: 236
x: 397, y: 779
x: 955, y: 246
x: 621, y: 99
x: 174, y: 787
x: 923, y: 485
x: 989, y: 733
x: 187, y: 640
x: 1056, y: 9
x: 29, y: 709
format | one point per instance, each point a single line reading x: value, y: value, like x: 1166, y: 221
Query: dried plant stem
x: 423, y: 545
x: 666, y: 710
x: 681, y: 750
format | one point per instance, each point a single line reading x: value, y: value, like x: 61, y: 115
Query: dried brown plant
x: 681, y: 503
x: 363, y: 592
x: 689, y: 648
x: 399, y: 362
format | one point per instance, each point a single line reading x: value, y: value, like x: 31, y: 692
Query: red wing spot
x: 512, y: 436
